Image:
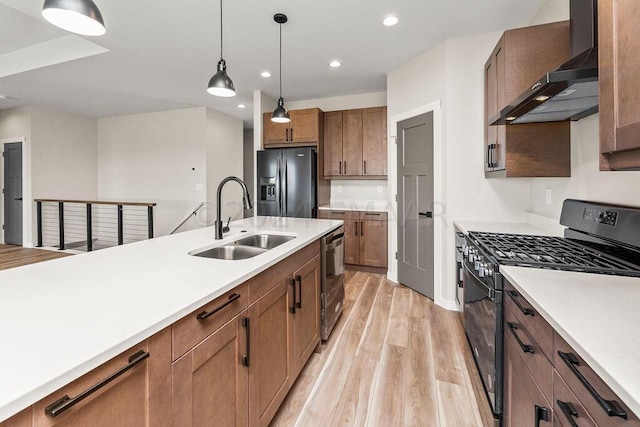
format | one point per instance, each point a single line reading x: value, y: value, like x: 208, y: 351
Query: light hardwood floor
x: 394, y: 359
x: 14, y: 256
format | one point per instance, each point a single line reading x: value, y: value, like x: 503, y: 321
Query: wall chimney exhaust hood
x: 571, y: 91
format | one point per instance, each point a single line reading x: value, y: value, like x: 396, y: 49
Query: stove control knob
x: 489, y: 271
x: 482, y: 269
x: 465, y: 249
x: 472, y: 254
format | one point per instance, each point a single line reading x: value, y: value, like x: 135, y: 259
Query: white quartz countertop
x: 62, y: 318
x: 596, y: 314
x: 364, y: 206
x: 505, y: 227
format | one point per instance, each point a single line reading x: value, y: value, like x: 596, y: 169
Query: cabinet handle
x: 291, y: 134
x: 610, y: 407
x: 345, y: 167
x: 541, y: 414
x: 205, y: 314
x: 361, y: 229
x: 299, y: 280
x: 356, y: 228
x: 246, y: 324
x: 569, y: 412
x: 365, y: 167
x: 287, y: 134
x: 338, y: 212
x: 340, y: 167
x: 372, y: 214
x: 293, y: 307
x: 526, y: 348
x: 526, y: 311
x: 66, y: 402
x: 426, y: 214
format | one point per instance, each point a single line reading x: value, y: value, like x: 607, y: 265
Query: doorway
x: 12, y: 175
x: 415, y: 180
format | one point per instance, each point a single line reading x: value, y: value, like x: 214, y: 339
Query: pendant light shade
x: 78, y: 16
x: 280, y: 114
x: 221, y: 84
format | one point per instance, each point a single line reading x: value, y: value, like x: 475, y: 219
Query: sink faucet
x: 246, y: 201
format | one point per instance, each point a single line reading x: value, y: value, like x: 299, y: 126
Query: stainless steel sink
x: 264, y: 241
x: 244, y: 248
x: 231, y: 252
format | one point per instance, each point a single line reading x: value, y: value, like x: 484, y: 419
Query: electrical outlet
x: 379, y: 189
x: 547, y: 196
x: 339, y: 188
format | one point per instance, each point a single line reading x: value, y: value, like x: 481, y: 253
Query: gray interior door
x: 13, y: 193
x: 415, y: 203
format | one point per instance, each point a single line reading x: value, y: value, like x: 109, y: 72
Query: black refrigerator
x: 287, y: 182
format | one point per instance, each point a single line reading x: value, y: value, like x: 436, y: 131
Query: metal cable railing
x: 87, y: 225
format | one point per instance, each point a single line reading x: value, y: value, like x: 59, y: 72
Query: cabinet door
x: 304, y: 126
x: 271, y: 367
x: 306, y: 319
x: 21, y: 419
x: 139, y: 396
x: 333, y: 143
x: 619, y: 79
x: 274, y: 133
x: 210, y: 382
x: 524, y: 404
x: 373, y: 243
x: 490, y: 108
x: 351, y: 242
x: 374, y: 127
x: 352, y: 142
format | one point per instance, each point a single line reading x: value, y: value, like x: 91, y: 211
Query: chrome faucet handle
x: 226, y: 228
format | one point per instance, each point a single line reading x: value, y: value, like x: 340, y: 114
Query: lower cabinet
x: 132, y: 389
x: 306, y: 313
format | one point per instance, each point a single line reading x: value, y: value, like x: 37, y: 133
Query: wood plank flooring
x: 393, y: 359
x: 15, y: 256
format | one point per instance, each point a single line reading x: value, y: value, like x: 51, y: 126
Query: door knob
x: 426, y: 214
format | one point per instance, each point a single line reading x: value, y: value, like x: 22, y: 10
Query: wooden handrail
x: 96, y: 202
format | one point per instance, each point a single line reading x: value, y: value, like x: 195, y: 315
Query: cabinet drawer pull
x: 66, y: 402
x: 338, y: 212
x: 246, y: 359
x: 610, y: 407
x: 514, y: 297
x: 569, y: 412
x: 299, y: 280
x: 526, y: 348
x: 372, y: 214
x: 293, y: 307
x: 542, y: 414
x: 205, y: 314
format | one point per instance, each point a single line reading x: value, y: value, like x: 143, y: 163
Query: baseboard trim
x: 366, y: 269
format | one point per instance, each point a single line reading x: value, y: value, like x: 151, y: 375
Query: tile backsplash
x: 359, y: 190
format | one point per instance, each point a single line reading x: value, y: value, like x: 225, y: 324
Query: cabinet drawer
x: 196, y: 326
x: 531, y: 320
x: 566, y: 406
x: 537, y: 363
x: 338, y: 214
x: 589, y: 388
x: 373, y: 216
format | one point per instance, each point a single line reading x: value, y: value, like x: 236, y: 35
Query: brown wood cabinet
x: 365, y: 236
x: 21, y: 419
x: 355, y: 143
x: 619, y: 80
x: 306, y: 317
x: 519, y: 59
x: 211, y: 382
x: 139, y: 396
x: 305, y: 128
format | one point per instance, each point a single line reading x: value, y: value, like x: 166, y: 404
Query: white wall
x: 248, y: 159
x: 155, y: 157
x: 451, y: 74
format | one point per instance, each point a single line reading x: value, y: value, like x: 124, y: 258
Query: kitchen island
x: 63, y: 318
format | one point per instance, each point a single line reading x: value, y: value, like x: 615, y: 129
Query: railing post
x: 150, y: 220
x: 89, y: 229
x: 120, y: 226
x: 61, y: 224
x: 39, y: 219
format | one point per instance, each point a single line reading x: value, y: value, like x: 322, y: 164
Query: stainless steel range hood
x: 571, y: 91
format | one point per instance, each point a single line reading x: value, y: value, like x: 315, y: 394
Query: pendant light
x: 220, y: 84
x: 280, y: 114
x: 78, y: 16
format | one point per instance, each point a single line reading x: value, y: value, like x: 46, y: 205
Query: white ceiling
x: 160, y: 54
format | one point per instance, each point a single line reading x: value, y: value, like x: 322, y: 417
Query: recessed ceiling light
x: 242, y: 106
x: 265, y: 74
x: 390, y: 20
x: 335, y: 63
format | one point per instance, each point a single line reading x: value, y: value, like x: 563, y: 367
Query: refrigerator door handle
x: 278, y: 190
x: 284, y: 188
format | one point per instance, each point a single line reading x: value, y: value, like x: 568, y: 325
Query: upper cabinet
x: 305, y: 128
x: 355, y: 144
x: 619, y: 77
x: 519, y: 59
